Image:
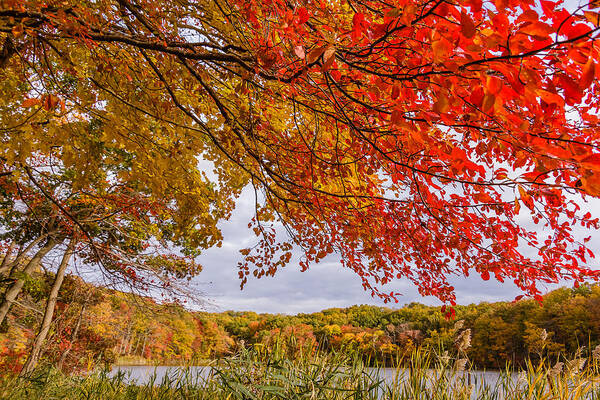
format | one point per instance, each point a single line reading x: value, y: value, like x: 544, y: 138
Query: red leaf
x: 358, y: 22
x: 589, y: 73
x: 302, y: 15
x: 467, y: 26
x: 592, y: 160
x: 537, y: 29
x: 476, y: 97
x: 493, y: 85
x: 571, y: 88
x: 476, y: 5
x: 577, y: 30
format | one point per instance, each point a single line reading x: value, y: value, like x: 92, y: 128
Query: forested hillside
x: 95, y: 325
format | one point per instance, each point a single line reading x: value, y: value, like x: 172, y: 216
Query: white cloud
x: 325, y: 285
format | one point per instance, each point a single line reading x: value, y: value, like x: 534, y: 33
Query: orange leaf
x: 315, y: 54
x: 440, y: 48
x: 488, y: 102
x: 589, y: 73
x: 328, y: 58
x: 526, y: 198
x: 593, y: 17
x: 591, y: 184
x: 30, y: 103
x: 50, y: 101
x: 523, y: 193
x: 442, y: 104
x: 17, y: 30
x: 396, y: 117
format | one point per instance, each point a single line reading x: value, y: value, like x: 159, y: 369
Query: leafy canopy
x: 406, y: 137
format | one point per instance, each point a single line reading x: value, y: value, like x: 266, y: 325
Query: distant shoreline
x: 143, y: 362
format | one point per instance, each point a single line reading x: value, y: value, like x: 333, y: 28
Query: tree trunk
x: 64, y: 355
x: 126, y: 339
x: 22, y: 253
x: 137, y: 345
x: 38, y: 343
x: 122, y: 344
x: 144, y: 345
x: 8, y: 49
x: 13, y: 291
x: 5, y: 266
x: 130, y: 343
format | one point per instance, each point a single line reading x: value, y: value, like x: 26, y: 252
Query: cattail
x: 522, y: 378
x: 460, y: 364
x: 575, y: 365
x: 470, y: 388
x: 458, y: 325
x: 444, y: 358
x: 596, y: 353
x: 467, y: 391
x: 556, y: 370
x: 463, y: 341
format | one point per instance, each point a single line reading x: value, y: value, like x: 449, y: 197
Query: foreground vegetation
x: 258, y: 374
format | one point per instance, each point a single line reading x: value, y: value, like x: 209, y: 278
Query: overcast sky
x: 325, y: 285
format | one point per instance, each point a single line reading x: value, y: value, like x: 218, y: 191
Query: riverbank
x: 134, y: 361
x: 255, y: 375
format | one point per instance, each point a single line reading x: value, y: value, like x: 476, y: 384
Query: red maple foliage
x: 409, y: 138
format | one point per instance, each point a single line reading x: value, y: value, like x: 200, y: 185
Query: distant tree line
x: 96, y: 325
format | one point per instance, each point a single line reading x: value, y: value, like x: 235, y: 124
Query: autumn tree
x: 135, y: 206
x: 405, y: 137
x: 108, y: 222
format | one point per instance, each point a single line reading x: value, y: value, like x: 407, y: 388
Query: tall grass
x: 260, y: 374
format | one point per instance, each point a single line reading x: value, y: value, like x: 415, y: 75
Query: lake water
x: 142, y: 374
x: 482, y: 381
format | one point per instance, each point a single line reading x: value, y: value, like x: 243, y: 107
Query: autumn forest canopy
x: 415, y: 140
x: 110, y: 327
